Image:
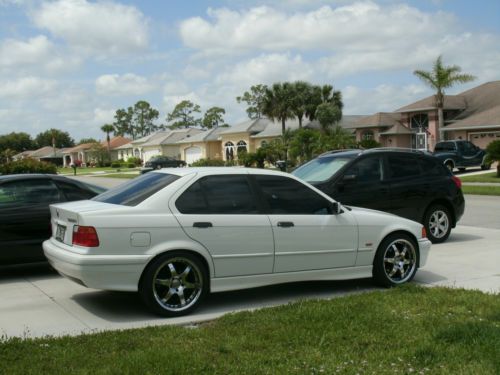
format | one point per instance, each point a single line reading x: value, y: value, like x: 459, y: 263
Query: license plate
x: 60, y: 232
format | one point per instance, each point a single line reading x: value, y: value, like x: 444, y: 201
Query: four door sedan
x: 176, y: 234
x: 25, y: 214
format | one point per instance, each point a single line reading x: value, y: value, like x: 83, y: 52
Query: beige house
x: 204, y: 145
x: 48, y: 154
x: 160, y: 143
x: 81, y: 153
x: 473, y: 115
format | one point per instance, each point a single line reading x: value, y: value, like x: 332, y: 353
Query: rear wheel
x: 437, y: 223
x: 396, y: 260
x: 174, y: 284
x: 485, y: 167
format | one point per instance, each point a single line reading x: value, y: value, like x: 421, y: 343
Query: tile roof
x: 377, y: 120
x: 204, y: 136
x: 450, y: 102
x: 248, y: 126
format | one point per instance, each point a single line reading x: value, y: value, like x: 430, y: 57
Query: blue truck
x: 461, y: 154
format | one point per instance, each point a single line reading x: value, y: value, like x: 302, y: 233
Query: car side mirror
x: 349, y: 178
x: 335, y: 208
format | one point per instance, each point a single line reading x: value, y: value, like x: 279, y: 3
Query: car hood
x: 365, y: 216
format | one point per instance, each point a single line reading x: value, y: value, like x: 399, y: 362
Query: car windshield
x: 321, y: 169
x: 133, y: 192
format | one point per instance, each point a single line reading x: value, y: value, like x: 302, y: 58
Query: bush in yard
x: 116, y: 165
x: 493, y: 154
x: 208, y: 163
x: 369, y: 143
x: 131, y: 165
x: 134, y: 160
x: 27, y: 166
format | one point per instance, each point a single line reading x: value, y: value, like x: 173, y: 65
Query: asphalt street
x: 35, y: 301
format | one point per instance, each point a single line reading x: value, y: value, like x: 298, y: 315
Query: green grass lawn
x: 406, y: 330
x: 487, y: 177
x: 481, y: 190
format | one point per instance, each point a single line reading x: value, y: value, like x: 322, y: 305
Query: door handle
x: 285, y: 224
x: 202, y: 224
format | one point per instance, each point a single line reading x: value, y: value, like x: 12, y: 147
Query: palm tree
x: 279, y: 103
x: 107, y: 128
x: 302, y: 99
x: 440, y: 78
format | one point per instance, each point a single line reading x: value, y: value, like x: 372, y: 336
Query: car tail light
x: 457, y: 181
x: 424, y: 233
x: 85, y: 236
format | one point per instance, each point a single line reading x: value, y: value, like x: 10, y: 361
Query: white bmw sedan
x: 174, y: 235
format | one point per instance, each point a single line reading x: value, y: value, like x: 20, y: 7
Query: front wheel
x: 437, y: 223
x: 396, y: 260
x: 174, y: 284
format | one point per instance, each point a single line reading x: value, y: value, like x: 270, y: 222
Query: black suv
x: 408, y: 183
x: 158, y: 162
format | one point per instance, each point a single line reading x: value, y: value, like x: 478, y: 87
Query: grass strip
x: 481, y: 190
x: 487, y: 177
x: 406, y: 330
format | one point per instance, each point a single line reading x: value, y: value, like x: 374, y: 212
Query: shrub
x: 208, y: 163
x: 27, y: 166
x: 369, y: 143
x: 134, y: 160
x: 116, y: 165
x: 131, y: 165
x: 493, y: 154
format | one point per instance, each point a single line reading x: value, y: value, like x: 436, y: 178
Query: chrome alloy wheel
x: 439, y: 223
x: 400, y: 260
x: 177, y: 284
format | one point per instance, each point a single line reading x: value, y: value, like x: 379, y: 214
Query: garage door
x: 483, y: 139
x: 192, y: 154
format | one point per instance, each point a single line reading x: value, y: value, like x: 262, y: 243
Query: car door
x: 221, y: 213
x: 363, y: 184
x: 25, y: 218
x: 409, y: 187
x: 472, y: 155
x: 307, y: 236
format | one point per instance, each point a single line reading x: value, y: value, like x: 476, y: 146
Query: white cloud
x: 357, y: 26
x: 266, y: 69
x: 27, y: 87
x: 103, y: 116
x: 126, y: 84
x: 35, y: 53
x: 103, y: 28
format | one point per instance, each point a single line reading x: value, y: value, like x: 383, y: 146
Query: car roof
x: 355, y: 152
x: 219, y: 170
x: 24, y: 176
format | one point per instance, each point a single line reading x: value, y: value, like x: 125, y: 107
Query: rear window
x: 137, y: 190
x: 321, y: 169
x: 445, y: 146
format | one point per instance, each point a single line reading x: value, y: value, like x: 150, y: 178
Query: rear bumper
x: 424, y: 246
x: 107, y: 272
x: 459, y: 206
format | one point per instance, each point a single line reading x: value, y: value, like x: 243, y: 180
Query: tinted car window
x: 218, y: 195
x: 432, y: 167
x: 28, y: 192
x: 368, y: 169
x: 321, y: 169
x: 73, y: 192
x: 137, y: 190
x: 288, y: 196
x: 403, y: 166
x: 445, y: 146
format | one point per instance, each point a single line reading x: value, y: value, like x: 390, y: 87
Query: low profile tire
x: 396, y: 260
x: 437, y: 223
x: 450, y: 166
x: 174, y: 284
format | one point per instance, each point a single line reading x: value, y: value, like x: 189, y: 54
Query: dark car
x: 411, y: 184
x: 158, y: 162
x: 461, y: 154
x: 25, y: 214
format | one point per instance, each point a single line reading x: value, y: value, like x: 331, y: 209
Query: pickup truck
x: 460, y: 154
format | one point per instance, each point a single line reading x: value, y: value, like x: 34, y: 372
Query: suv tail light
x: 457, y: 181
x: 85, y: 236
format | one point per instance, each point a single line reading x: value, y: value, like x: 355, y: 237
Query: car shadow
x: 121, y: 307
x: 462, y: 237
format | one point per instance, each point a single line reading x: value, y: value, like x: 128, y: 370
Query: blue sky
x: 70, y: 64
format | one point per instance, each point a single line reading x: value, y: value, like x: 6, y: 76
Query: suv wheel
x: 437, y: 223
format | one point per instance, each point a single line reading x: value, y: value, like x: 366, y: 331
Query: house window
x: 263, y: 144
x: 229, y: 150
x: 420, y: 121
x: 367, y: 135
x: 241, y: 147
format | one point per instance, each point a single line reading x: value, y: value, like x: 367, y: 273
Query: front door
x: 221, y: 213
x: 307, y: 235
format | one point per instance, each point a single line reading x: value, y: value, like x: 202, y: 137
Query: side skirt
x: 223, y: 284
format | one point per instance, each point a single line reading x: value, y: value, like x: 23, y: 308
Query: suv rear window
x: 445, y: 146
x: 137, y: 190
